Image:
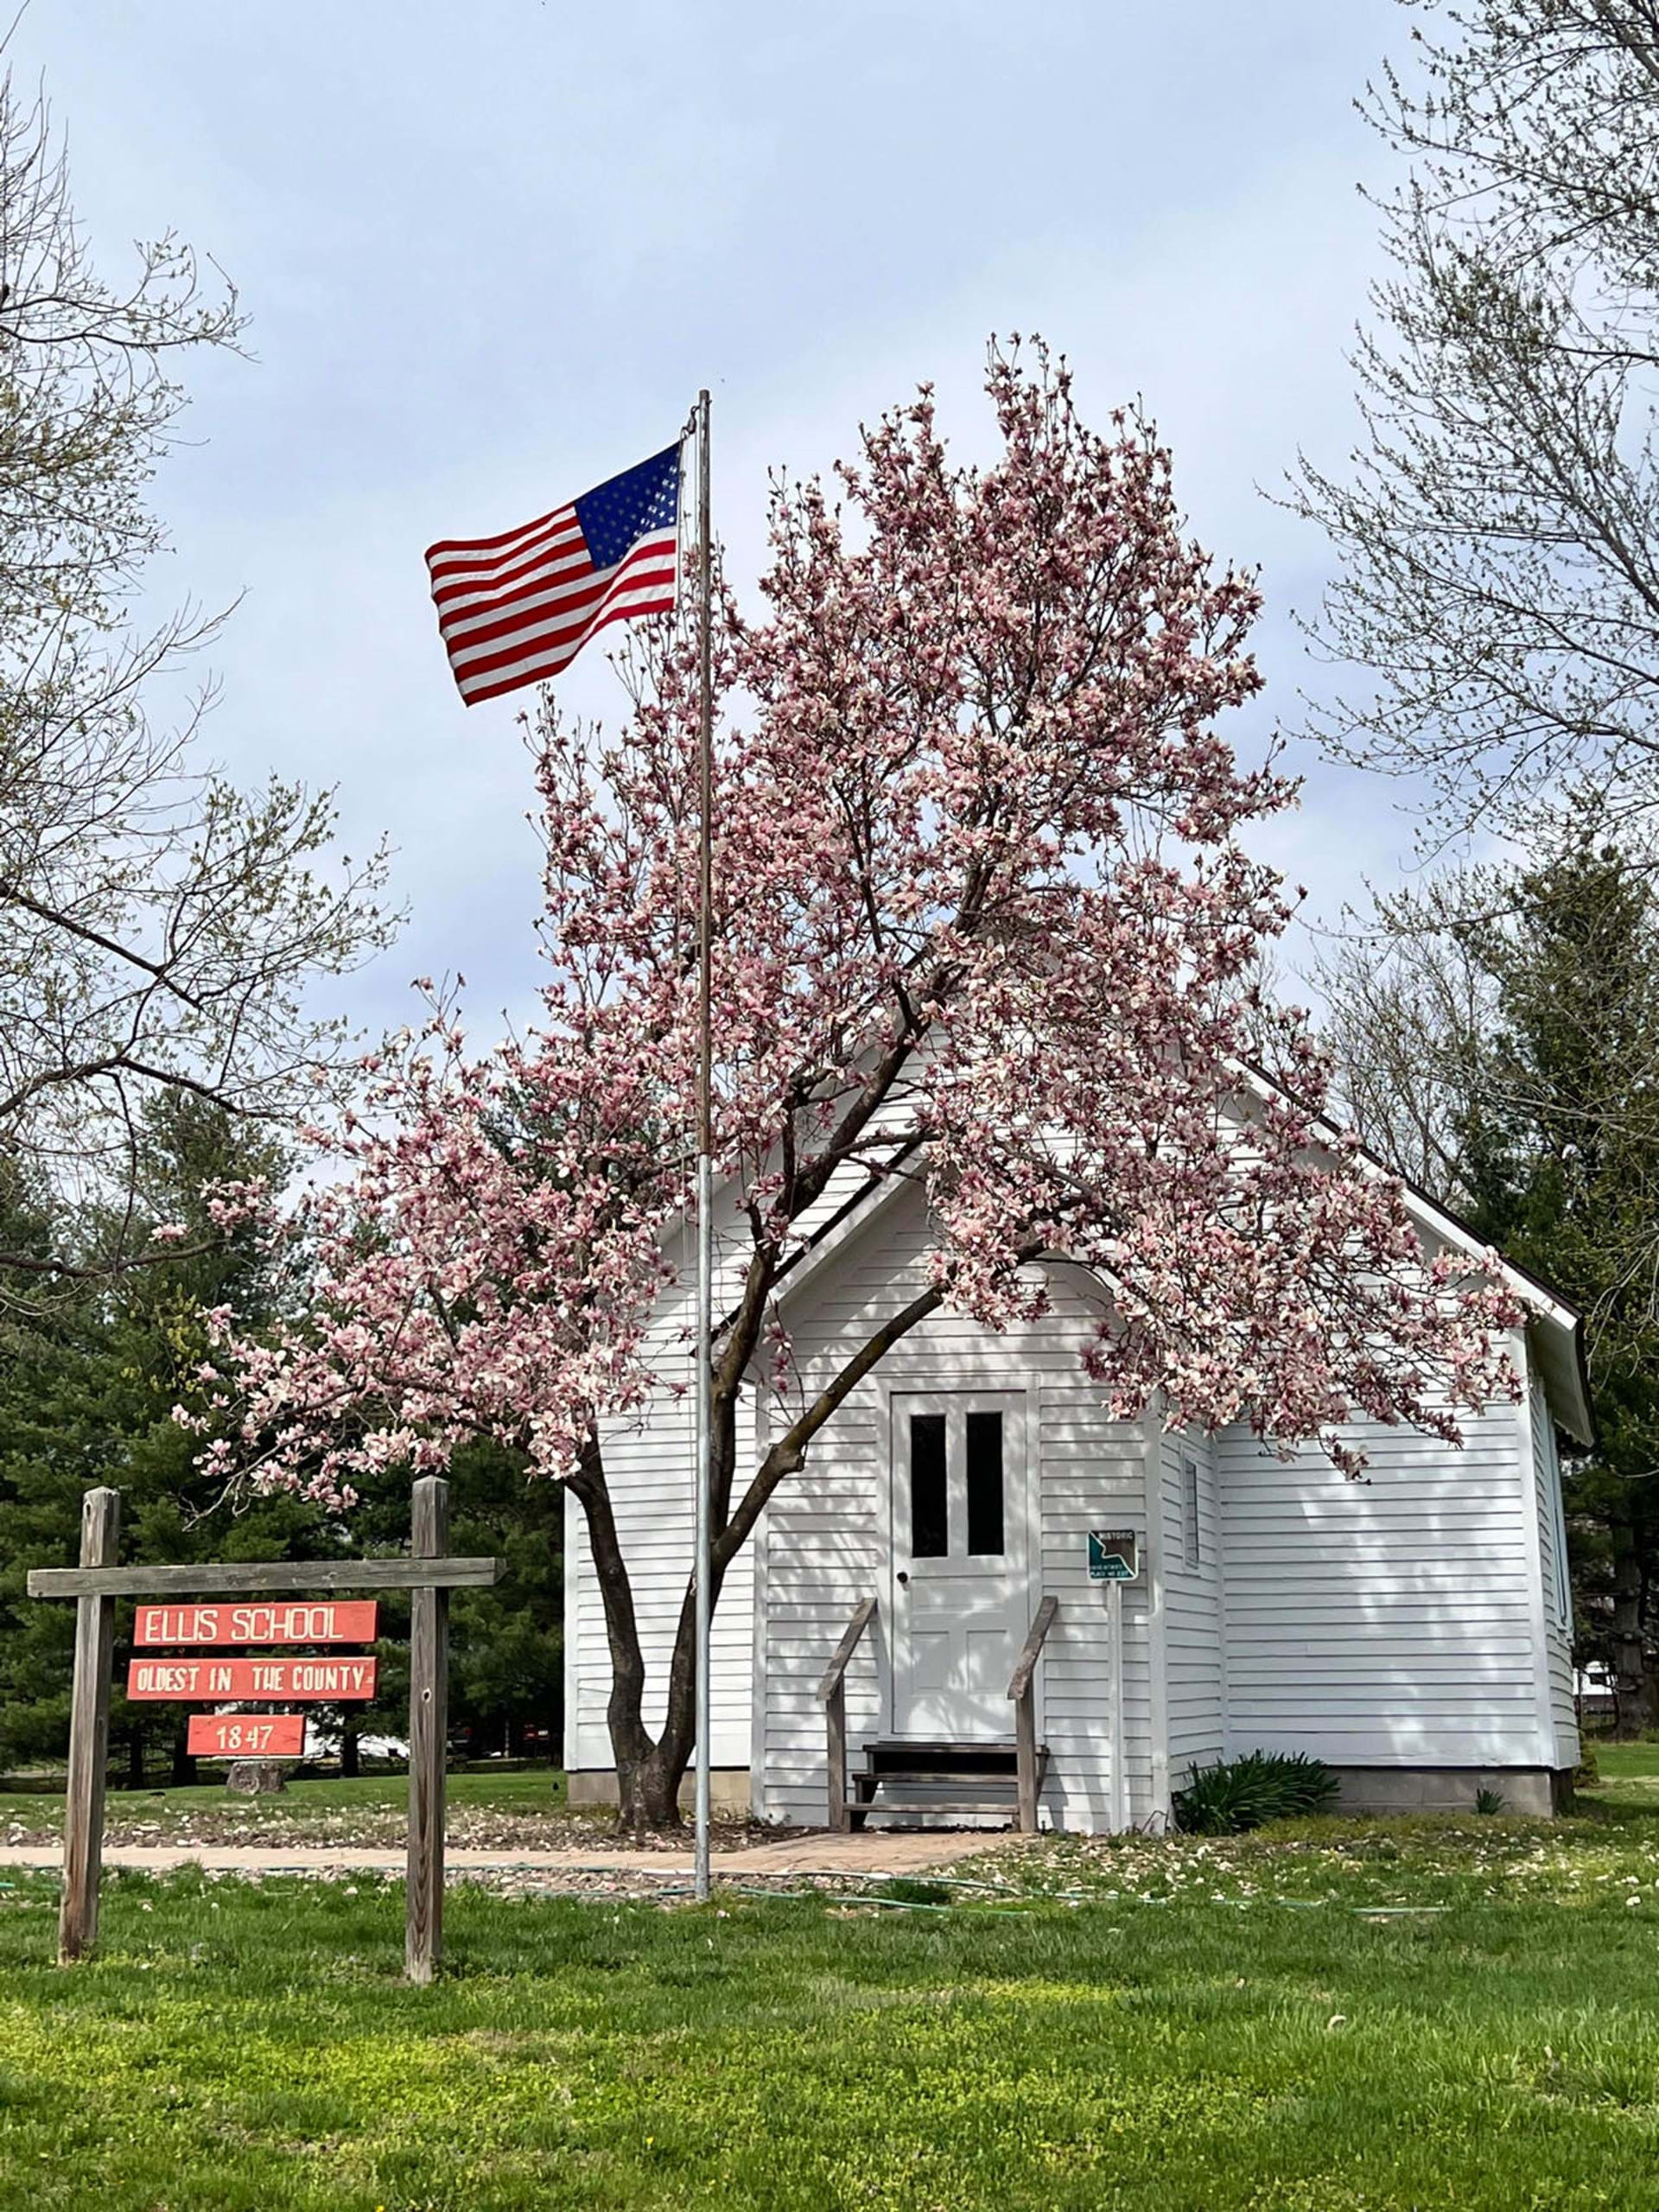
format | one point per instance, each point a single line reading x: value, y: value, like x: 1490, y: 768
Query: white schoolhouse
x: 947, y: 1542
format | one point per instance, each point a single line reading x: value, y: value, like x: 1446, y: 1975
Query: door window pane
x: 984, y: 1484
x: 929, y: 1533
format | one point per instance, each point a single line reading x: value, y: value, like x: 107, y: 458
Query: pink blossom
x: 984, y: 916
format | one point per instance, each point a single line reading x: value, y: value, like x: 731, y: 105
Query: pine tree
x: 88, y: 1382
x: 1562, y: 1155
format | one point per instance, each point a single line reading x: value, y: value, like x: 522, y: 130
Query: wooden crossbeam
x: 231, y: 1579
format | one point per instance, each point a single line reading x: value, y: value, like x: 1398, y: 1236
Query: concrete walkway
x: 847, y: 1857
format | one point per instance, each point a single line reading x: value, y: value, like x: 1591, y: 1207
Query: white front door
x: 961, y: 1594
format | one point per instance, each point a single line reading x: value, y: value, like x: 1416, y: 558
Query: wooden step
x: 881, y: 1808
x: 941, y: 1775
x: 908, y: 1777
x: 957, y: 1800
x: 897, y: 1755
x: 939, y: 1743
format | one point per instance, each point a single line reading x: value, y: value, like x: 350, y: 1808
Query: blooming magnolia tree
x: 984, y: 920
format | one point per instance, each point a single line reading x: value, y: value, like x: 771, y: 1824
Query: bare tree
x: 1409, y: 1009
x: 1499, y: 522
x: 1515, y: 1003
x: 158, y: 928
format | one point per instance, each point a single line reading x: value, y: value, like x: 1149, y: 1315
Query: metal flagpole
x: 705, y: 1144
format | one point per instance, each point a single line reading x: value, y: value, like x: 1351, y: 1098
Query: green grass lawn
x: 1630, y: 1775
x: 1351, y: 2017
x: 372, y: 1808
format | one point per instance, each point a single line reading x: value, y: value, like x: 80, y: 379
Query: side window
x: 1192, y: 1549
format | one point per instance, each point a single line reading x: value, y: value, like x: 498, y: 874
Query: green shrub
x: 1239, y: 1794
x: 1489, y: 1801
x: 1587, y: 1773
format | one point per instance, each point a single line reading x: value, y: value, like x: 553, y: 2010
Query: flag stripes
x: 517, y: 607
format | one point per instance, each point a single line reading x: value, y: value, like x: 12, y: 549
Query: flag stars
x: 643, y: 499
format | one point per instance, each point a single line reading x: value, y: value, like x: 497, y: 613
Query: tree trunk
x: 136, y: 1758
x: 1630, y: 1673
x: 256, y: 1778
x: 350, y: 1764
x: 659, y: 1784
x: 642, y: 1802
x: 184, y: 1765
x: 1650, y: 1659
x: 679, y: 1740
x: 648, y: 1793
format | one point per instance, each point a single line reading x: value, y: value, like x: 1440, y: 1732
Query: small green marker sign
x: 1112, y: 1556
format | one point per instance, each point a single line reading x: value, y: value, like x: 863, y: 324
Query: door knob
x: 904, y: 1579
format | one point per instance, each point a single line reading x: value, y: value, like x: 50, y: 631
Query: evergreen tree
x: 87, y: 1386
x: 88, y: 1382
x: 1562, y: 1157
x: 506, y: 1648
x: 506, y: 1644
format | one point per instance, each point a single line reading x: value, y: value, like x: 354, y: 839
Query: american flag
x: 517, y: 608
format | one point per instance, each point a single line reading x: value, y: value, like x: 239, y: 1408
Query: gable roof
x: 860, y: 1212
x: 1554, y: 1329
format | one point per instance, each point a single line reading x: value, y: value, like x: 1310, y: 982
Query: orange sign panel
x: 174, y: 1679
x: 247, y: 1735
x: 280, y: 1620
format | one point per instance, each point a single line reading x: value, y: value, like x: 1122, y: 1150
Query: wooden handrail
x: 1026, y: 1667
x: 1028, y: 1769
x: 832, y: 1692
x: 863, y: 1615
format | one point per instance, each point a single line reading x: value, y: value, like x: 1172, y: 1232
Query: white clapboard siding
x: 1192, y: 1606
x: 1388, y: 1622
x: 1557, y: 1585
x: 649, y: 1471
x: 650, y: 1474
x: 826, y: 1536
x: 1093, y: 1475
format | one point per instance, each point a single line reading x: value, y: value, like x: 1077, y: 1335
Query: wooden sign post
x: 89, y: 1732
x: 428, y: 1574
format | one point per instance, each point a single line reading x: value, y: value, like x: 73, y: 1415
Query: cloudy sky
x: 491, y: 250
